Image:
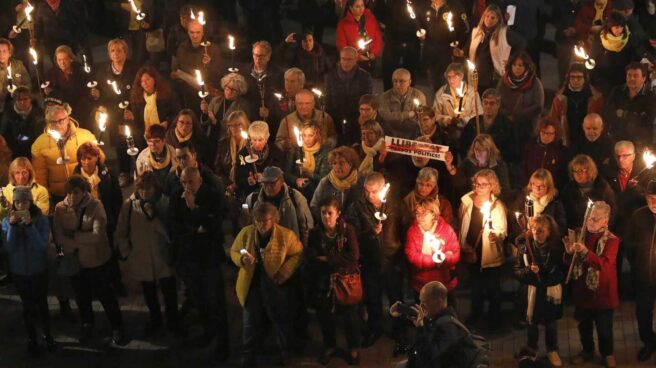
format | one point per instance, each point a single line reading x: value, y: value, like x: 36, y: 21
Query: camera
x: 406, y: 310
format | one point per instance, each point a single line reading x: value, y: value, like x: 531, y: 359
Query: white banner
x: 415, y: 148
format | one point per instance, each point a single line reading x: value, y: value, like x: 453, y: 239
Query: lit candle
x: 114, y: 86
x: 63, y: 158
x: 102, y: 125
x: 139, y: 14
x: 232, y: 47
x: 34, y: 56
x: 486, y: 210
x: 436, y: 243
x: 382, y: 195
x: 10, y: 80
x: 579, y: 52
x: 299, y: 143
x: 132, y: 149
x: 411, y: 11
x: 199, y: 79
x: 461, y: 96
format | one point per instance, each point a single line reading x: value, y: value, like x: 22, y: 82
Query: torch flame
x: 411, y: 12
x: 579, y: 51
x: 200, y: 18
x: 134, y: 6
x: 34, y: 55
x: 590, y: 203
x: 416, y: 102
x: 127, y: 131
x: 278, y: 96
x: 199, y: 78
x: 87, y: 68
x: 299, y: 140
x: 9, y: 77
x: 383, y: 193
x: 28, y: 11
x: 485, y: 210
x: 54, y: 134
x: 102, y: 121
x: 231, y: 42
x: 362, y: 43
x: 243, y: 134
x: 449, y: 21
x: 649, y: 159
x: 471, y: 65
x: 317, y: 92
x: 460, y: 89
x: 114, y: 86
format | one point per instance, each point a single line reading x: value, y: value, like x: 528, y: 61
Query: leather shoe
x: 645, y: 352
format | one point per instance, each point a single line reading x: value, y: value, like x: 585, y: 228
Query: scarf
x: 234, y: 149
x: 554, y: 293
x: 182, y: 139
x: 519, y: 84
x: 162, y: 162
x: 151, y: 116
x: 343, y: 184
x: 93, y: 180
x: 592, y: 273
x: 599, y: 12
x: 614, y: 43
x: 367, y: 164
x: 309, y: 163
x: 539, y: 204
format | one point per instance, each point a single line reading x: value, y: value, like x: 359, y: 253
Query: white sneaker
x: 554, y: 359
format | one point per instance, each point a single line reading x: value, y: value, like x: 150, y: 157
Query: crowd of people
x: 292, y: 149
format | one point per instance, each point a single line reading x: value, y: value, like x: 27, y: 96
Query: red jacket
x: 422, y: 267
x: 585, y: 16
x: 605, y: 297
x: 348, y: 33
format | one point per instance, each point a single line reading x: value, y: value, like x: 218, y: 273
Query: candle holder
x: 381, y: 215
x: 205, y: 45
x: 61, y: 145
x: 231, y: 46
x: 129, y: 140
x: 102, y: 126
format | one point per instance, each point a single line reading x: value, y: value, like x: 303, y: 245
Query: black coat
x: 342, y: 101
x: 641, y: 248
x: 275, y: 157
x: 21, y: 132
x: 501, y: 131
x: 575, y: 202
x: 110, y: 99
x: 631, y: 118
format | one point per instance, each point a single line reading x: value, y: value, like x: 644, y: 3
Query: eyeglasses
x: 60, y: 121
x: 539, y: 187
x: 481, y: 185
x: 547, y: 132
x: 580, y: 171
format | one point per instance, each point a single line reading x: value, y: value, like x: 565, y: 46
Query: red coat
x: 348, y: 33
x: 606, y: 296
x: 422, y: 267
x: 585, y: 16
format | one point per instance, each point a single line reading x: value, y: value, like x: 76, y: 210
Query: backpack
x: 473, y: 349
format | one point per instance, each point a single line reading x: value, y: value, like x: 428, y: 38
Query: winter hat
x: 22, y: 193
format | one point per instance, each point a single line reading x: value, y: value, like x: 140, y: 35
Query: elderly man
x: 52, y: 164
x: 442, y: 340
x: 639, y: 242
x: 19, y: 74
x: 186, y: 156
x: 267, y: 255
x: 344, y: 86
x: 279, y: 107
x: 597, y: 143
x: 398, y: 107
x: 197, y: 241
x: 493, y: 123
x: 191, y: 55
x: 631, y: 108
x: 263, y: 79
x: 305, y: 112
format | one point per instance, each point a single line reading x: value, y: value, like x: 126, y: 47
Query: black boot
x: 66, y: 312
x: 85, y: 333
x: 50, y: 343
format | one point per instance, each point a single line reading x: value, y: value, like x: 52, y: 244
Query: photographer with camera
x: 442, y: 340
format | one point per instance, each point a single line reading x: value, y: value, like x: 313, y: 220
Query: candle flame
x: 87, y: 68
x: 317, y: 92
x: 28, y: 11
x: 411, y: 12
x: 54, y: 134
x: 590, y: 203
x: 518, y: 214
x: 243, y: 134
x: 299, y: 140
x: 460, y: 89
x: 485, y: 210
x: 579, y: 51
x: 114, y: 86
x: 102, y: 121
x: 127, y: 131
x: 449, y: 21
x: 383, y: 193
x: 362, y: 43
x: 200, y: 18
x: 278, y: 96
x: 436, y: 243
x: 471, y: 65
x: 9, y: 77
x: 199, y: 78
x: 231, y: 42
x: 134, y: 7
x: 416, y: 102
x: 34, y: 55
x: 649, y: 159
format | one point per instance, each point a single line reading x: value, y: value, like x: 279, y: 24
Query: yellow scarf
x: 181, y: 138
x: 309, y: 164
x: 367, y: 164
x: 93, y: 180
x: 614, y: 43
x: 160, y: 165
x: 233, y: 156
x: 150, y: 111
x: 343, y: 184
x: 599, y: 12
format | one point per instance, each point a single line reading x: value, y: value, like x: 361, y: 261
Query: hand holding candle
x: 102, y: 126
x: 199, y: 79
x: 61, y: 145
x: 581, y: 237
x: 382, y: 195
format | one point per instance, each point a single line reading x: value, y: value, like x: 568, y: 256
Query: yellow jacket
x: 45, y: 154
x: 282, y: 255
x: 39, y: 194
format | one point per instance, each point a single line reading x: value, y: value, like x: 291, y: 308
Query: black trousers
x: 645, y: 297
x: 603, y: 320
x: 168, y: 287
x: 327, y: 318
x: 95, y: 282
x: 550, y: 335
x: 374, y: 282
x: 485, y: 285
x: 33, y: 291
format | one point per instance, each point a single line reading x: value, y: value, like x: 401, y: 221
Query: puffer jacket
x: 45, y: 154
x: 491, y: 255
x: 90, y: 236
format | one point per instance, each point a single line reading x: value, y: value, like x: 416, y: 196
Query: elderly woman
x: 585, y: 185
x: 79, y: 229
x: 234, y: 88
x: 549, y: 153
x: 522, y: 95
x: 19, y: 75
x: 594, y: 286
x: 370, y: 148
x: 152, y: 102
x: 333, y: 249
x: 68, y: 77
x: 426, y: 188
x: 432, y: 249
x: 267, y: 256
x: 159, y: 156
x: 26, y: 233
x: 483, y: 228
x: 143, y: 241
x: 228, y: 148
x: 21, y: 174
x: 342, y: 180
x: 45, y: 151
x: 186, y: 130
x: 307, y: 165
x: 253, y: 158
x: 483, y: 154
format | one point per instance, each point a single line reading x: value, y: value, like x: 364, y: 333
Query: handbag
x: 155, y: 40
x: 346, y: 289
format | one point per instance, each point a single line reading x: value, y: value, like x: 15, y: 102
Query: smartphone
x: 406, y: 310
x: 23, y: 215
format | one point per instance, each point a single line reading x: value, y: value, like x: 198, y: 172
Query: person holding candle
x: 432, y: 249
x: 284, y: 103
x: 397, y: 105
x: 370, y: 148
x: 549, y: 153
x: 426, y: 189
x: 186, y: 130
x: 22, y: 124
x: 308, y: 164
x: 253, y: 158
x: 343, y: 180
x: 263, y: 78
x: 158, y: 157
x: 454, y: 104
x: 21, y: 173
x: 152, y: 102
x: 19, y: 74
x: 305, y: 112
x: 483, y: 228
x: 594, y: 282
x: 215, y: 112
x: 61, y: 130
x: 25, y: 236
x: 136, y: 29
x: 333, y: 248
x: 359, y: 23
x: 538, y: 265
x: 67, y: 76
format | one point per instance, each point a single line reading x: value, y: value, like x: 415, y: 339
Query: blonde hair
x: 500, y: 21
x: 491, y: 176
x: 431, y: 205
x: 64, y: 49
x: 235, y: 81
x: 547, y: 178
x: 258, y: 129
x: 117, y: 42
x: 586, y: 162
x: 487, y: 142
x: 241, y: 117
x: 18, y: 164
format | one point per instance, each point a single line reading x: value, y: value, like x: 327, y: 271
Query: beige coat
x: 492, y: 253
x: 90, y: 241
x: 146, y: 248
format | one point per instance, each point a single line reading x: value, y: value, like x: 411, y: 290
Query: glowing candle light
x: 114, y: 86
x: 382, y: 195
